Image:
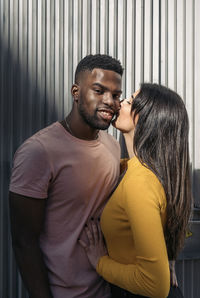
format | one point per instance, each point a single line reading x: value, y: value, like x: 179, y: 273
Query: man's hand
x: 96, y: 247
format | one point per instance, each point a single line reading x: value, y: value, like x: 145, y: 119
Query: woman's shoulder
x: 140, y: 179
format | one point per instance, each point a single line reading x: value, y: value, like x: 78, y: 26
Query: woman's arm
x: 149, y: 276
x: 173, y: 278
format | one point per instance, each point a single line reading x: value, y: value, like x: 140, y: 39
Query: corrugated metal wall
x: 41, y: 42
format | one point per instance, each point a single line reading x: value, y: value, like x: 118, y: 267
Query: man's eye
x: 98, y: 91
x: 116, y: 96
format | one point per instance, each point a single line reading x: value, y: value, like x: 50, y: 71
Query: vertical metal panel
x: 148, y: 41
x: 41, y: 42
x: 155, y: 40
x: 138, y: 44
x: 180, y: 82
x: 189, y: 70
x: 171, y: 44
x: 189, y: 274
x: 196, y: 119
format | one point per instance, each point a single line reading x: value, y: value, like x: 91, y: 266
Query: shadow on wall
x: 22, y: 112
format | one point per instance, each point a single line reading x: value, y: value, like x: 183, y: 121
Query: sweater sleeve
x: 150, y: 275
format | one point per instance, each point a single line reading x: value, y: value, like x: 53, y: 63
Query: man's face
x: 99, y: 97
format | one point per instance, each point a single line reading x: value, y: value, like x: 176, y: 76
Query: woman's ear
x: 75, y: 92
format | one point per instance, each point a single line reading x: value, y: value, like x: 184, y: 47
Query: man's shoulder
x: 37, y: 141
x: 49, y: 130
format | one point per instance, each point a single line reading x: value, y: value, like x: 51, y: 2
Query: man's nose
x: 108, y: 99
x: 112, y: 102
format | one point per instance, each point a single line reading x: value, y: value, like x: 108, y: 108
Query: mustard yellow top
x: 132, y: 223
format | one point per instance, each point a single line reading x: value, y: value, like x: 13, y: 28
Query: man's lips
x: 106, y: 114
x: 116, y: 115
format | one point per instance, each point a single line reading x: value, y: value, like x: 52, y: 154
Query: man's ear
x: 75, y: 92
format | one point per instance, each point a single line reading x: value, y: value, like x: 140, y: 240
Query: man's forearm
x: 32, y: 268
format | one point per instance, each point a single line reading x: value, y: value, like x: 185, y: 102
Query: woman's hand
x: 173, y: 278
x: 96, y: 247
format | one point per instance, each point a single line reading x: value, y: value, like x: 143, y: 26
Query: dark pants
x: 120, y: 293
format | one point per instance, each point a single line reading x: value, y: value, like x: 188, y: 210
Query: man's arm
x: 27, y: 218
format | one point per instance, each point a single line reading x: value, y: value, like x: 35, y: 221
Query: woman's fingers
x: 174, y: 280
x: 82, y: 243
x: 89, y: 235
x: 99, y: 231
x: 95, y: 247
x: 95, y: 233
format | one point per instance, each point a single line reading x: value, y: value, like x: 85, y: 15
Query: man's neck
x: 78, y: 129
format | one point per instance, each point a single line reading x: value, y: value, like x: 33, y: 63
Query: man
x: 62, y: 176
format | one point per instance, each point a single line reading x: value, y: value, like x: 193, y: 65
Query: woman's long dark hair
x: 161, y: 142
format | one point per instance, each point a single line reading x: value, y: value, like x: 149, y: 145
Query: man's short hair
x: 90, y: 62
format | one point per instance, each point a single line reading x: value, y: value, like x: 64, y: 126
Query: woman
x: 144, y: 222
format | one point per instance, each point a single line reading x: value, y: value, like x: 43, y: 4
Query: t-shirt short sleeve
x: 31, y: 173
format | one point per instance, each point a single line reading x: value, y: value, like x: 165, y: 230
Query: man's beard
x: 92, y: 120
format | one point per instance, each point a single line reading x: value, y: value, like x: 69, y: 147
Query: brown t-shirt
x: 76, y: 177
